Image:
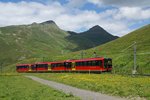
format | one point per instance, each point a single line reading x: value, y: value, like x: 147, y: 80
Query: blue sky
x: 118, y: 17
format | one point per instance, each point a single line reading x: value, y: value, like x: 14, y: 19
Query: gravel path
x: 83, y: 94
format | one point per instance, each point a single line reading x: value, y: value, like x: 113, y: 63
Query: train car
x: 23, y: 68
x: 91, y: 64
x: 41, y: 67
x: 58, y: 66
x: 99, y: 64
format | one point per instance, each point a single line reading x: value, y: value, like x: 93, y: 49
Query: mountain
x: 121, y: 51
x: 35, y: 40
x: 93, y: 37
x: 43, y: 41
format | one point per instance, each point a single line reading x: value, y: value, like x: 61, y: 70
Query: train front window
x: 108, y: 63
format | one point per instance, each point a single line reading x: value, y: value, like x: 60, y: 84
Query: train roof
x: 58, y: 62
x: 86, y: 59
x: 23, y: 64
x: 50, y: 62
x: 42, y: 62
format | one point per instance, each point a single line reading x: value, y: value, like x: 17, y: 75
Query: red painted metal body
x: 90, y: 64
x: 23, y: 67
x: 58, y: 66
x: 42, y: 66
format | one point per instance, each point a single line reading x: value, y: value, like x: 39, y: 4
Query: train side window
x: 87, y: 63
x: 98, y: 62
x: 90, y: 63
x: 53, y: 65
x: 57, y: 65
x: 76, y: 63
x: 84, y: 63
x: 80, y: 63
x: 42, y: 65
x: 23, y: 66
x: 93, y: 63
x: 67, y: 64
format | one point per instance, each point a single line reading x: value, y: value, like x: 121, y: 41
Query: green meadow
x: 17, y: 87
x: 111, y: 84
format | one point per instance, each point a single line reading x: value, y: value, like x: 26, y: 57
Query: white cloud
x: 122, y: 3
x: 70, y: 19
x: 28, y: 12
x: 133, y: 13
x: 88, y: 19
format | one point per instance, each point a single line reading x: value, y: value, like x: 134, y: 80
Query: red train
x: 98, y: 64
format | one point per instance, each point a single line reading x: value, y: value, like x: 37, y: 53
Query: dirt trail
x: 83, y: 94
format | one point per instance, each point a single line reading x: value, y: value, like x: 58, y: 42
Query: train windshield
x: 108, y: 63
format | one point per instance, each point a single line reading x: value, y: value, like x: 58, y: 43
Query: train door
x: 49, y: 67
x: 73, y: 66
x: 30, y: 68
x: 68, y: 65
x: 33, y: 68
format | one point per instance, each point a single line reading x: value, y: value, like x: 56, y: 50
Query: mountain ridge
x: 96, y: 36
x: 38, y: 40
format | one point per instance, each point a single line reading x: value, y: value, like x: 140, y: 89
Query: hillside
x: 121, y: 52
x: 27, y: 41
x: 93, y: 37
x: 40, y: 41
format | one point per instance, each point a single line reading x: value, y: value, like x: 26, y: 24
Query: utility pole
x: 1, y: 67
x: 134, y: 69
x: 134, y: 58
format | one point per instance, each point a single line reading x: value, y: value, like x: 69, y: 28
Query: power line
x: 128, y: 47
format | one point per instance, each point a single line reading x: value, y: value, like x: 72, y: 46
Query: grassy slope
x: 35, y: 42
x: 20, y: 88
x: 122, y: 61
x: 28, y: 41
x: 125, y: 86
